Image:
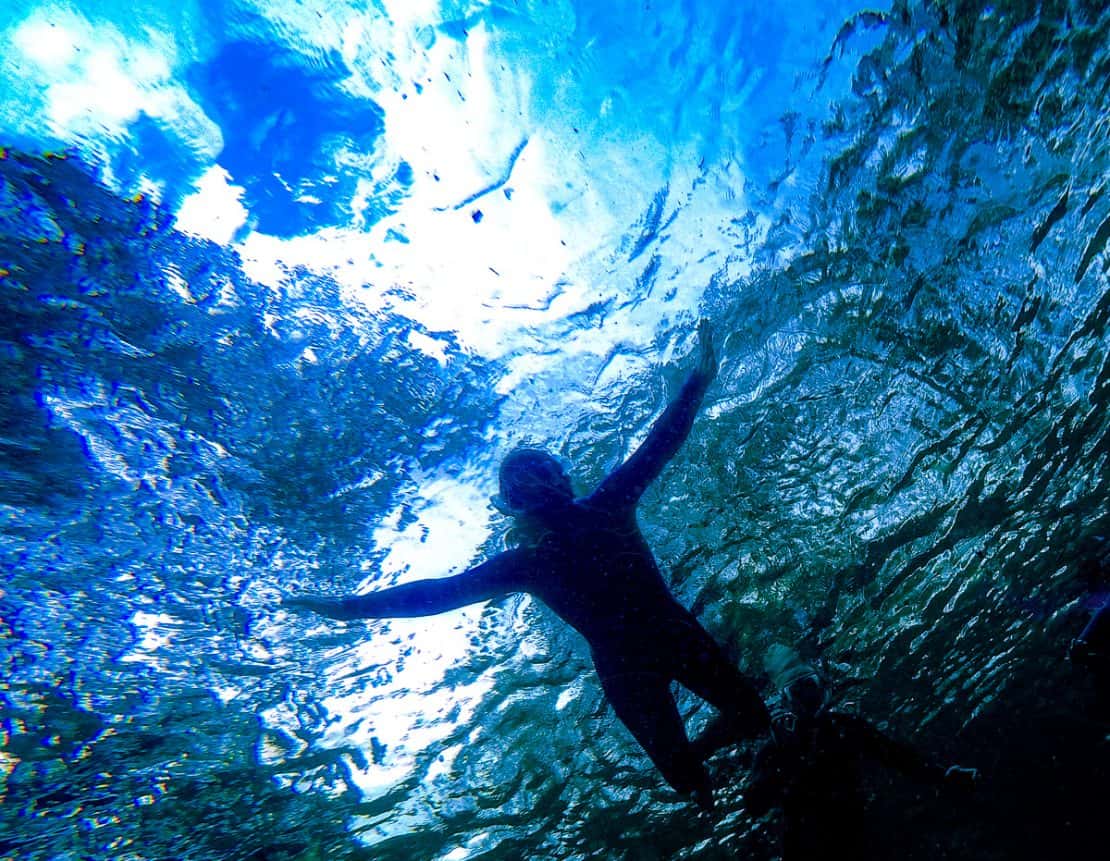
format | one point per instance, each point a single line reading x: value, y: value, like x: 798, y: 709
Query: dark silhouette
x: 1091, y: 648
x: 589, y: 562
x: 812, y: 769
x: 1090, y: 651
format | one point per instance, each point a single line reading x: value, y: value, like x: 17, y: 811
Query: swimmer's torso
x: 597, y: 573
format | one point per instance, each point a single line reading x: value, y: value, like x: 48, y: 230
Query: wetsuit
x: 593, y: 567
x: 813, y: 771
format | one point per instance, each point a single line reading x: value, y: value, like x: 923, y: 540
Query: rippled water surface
x: 282, y: 282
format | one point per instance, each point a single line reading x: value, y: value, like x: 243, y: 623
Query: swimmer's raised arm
x: 626, y: 483
x: 507, y: 572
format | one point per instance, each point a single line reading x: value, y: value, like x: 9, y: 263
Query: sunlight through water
x: 283, y: 282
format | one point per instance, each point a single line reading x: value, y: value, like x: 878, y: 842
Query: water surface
x: 282, y: 282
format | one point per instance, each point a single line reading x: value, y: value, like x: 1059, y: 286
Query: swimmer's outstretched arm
x: 626, y: 483
x: 507, y: 572
x: 907, y: 759
x: 1092, y: 646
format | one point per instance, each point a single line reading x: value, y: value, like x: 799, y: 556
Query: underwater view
x: 751, y: 354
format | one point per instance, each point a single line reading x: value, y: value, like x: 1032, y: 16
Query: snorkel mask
x: 801, y: 691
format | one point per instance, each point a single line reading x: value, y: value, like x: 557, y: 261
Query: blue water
x: 282, y: 282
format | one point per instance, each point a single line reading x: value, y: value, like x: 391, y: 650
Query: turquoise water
x: 282, y: 283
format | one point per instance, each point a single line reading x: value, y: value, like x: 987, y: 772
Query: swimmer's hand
x: 707, y: 354
x: 333, y: 608
x: 963, y: 779
x: 1083, y: 654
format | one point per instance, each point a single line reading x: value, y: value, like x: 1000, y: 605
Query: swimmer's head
x: 805, y: 697
x: 531, y: 481
x: 802, y: 691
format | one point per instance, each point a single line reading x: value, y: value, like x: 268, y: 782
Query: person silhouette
x: 811, y: 767
x: 589, y: 562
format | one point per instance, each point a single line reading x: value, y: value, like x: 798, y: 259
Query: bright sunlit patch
x: 214, y: 211
x: 413, y: 710
x: 92, y: 81
x: 104, y: 93
x: 152, y: 636
x: 428, y: 346
x: 50, y: 45
x: 452, y: 520
x: 497, y: 213
x: 413, y: 713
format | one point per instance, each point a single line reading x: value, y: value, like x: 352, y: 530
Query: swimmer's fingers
x: 961, y: 778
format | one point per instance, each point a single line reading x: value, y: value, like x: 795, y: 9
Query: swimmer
x: 812, y: 766
x: 592, y: 566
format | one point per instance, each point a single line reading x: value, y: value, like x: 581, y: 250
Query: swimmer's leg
x: 706, y: 671
x: 644, y: 703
